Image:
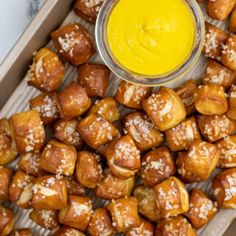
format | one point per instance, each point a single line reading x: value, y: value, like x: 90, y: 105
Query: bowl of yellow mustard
x: 151, y: 42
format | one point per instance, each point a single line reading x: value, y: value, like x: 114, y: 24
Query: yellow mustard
x: 151, y: 37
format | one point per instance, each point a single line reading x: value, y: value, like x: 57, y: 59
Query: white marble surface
x: 15, y: 15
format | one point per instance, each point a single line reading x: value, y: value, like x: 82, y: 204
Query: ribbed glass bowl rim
x: 147, y: 80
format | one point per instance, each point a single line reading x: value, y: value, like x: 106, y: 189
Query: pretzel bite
x: 100, y: 223
x: 142, y: 130
x: 123, y: 157
x: 46, y: 105
x: 185, y: 92
x: 29, y: 163
x: 124, y: 213
x: 227, y: 147
x: 28, y: 131
x: 175, y: 226
x: 74, y: 43
x: 5, y: 177
x: 88, y: 169
x: 182, y: 135
x: 107, y: 108
x: 131, y: 95
x: 198, y: 162
x: 58, y: 158
x: 96, y: 131
x: 74, y: 187
x: 49, y: 193
x: 6, y: 220
x: 88, y: 10
x: 165, y: 108
x: 202, y: 208
x: 214, y: 128
x: 112, y: 187
x: 157, y: 165
x: 224, y: 185
x: 219, y: 9
x: 66, y: 230
x: 94, y: 79
x: 73, y: 101
x: 232, y: 21
x: 231, y: 113
x: 45, y: 218
x: 77, y: 213
x: 147, y: 203
x: 210, y: 99
x: 20, y: 189
x: 214, y: 40
x: 171, y: 197
x: 145, y: 229
x: 5, y: 126
x: 21, y: 232
x: 229, y: 53
x: 216, y: 73
x: 47, y: 71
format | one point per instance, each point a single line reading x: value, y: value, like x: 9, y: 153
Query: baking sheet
x: 23, y: 93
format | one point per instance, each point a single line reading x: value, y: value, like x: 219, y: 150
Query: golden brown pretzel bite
x: 5, y: 180
x: 185, y: 92
x: 157, y: 165
x: 29, y: 163
x: 131, y: 95
x: 182, y: 135
x: 73, y: 101
x: 229, y: 53
x: 94, y: 79
x: 21, y: 232
x: 49, y: 193
x: 45, y: 218
x: 214, y: 128
x: 77, y: 213
x: 232, y: 21
x: 6, y: 220
x: 66, y: 230
x: 88, y: 9
x: 100, y: 223
x: 210, y: 99
x: 74, y: 187
x: 177, y: 225
x: 88, y: 169
x: 66, y: 132
x: 227, y: 147
x: 142, y: 130
x: 198, y: 162
x: 124, y: 213
x: 123, y: 157
x: 147, y: 203
x: 5, y: 126
x: 145, y: 229
x: 224, y: 185
x: 28, y: 131
x: 171, y: 197
x: 219, y: 9
x: 47, y: 71
x: 214, y: 40
x: 96, y: 131
x: 112, y: 187
x: 216, y: 73
x: 107, y: 108
x: 231, y: 113
x: 46, y: 105
x: 58, y: 158
x: 20, y: 189
x: 74, y: 43
x: 165, y: 108
x: 202, y: 208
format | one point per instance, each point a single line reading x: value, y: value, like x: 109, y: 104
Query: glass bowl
x: 147, y: 80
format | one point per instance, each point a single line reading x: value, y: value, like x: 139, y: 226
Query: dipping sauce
x: 151, y: 37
